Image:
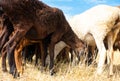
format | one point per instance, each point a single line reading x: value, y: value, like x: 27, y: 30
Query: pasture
x: 65, y: 72
x: 45, y: 20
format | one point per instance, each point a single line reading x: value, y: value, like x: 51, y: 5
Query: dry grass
x: 65, y: 72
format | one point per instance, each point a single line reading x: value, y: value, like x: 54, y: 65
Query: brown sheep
x: 25, y: 14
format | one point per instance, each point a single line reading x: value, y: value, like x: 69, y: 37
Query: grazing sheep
x: 99, y: 21
x: 25, y: 14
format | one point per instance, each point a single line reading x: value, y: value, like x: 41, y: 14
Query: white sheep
x: 98, y: 22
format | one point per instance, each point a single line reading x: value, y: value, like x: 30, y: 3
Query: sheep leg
x: 18, y: 56
x: 111, y: 39
x: 51, y: 50
x: 101, y: 53
x: 37, y: 54
x: 18, y: 60
x: 11, y: 62
x: 4, y: 54
x: 3, y: 41
x: 43, y: 54
x: 110, y: 57
x: 2, y: 34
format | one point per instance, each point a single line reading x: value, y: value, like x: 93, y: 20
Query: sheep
x: 99, y: 21
x: 45, y: 20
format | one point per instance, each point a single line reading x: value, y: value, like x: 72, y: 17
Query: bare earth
x: 65, y: 72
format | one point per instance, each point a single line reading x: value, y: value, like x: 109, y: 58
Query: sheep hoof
x: 52, y: 72
x: 109, y: 76
x: 16, y: 74
x: 4, y: 70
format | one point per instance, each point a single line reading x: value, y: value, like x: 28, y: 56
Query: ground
x: 65, y: 72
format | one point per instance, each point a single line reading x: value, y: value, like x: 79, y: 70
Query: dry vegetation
x: 65, y: 72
